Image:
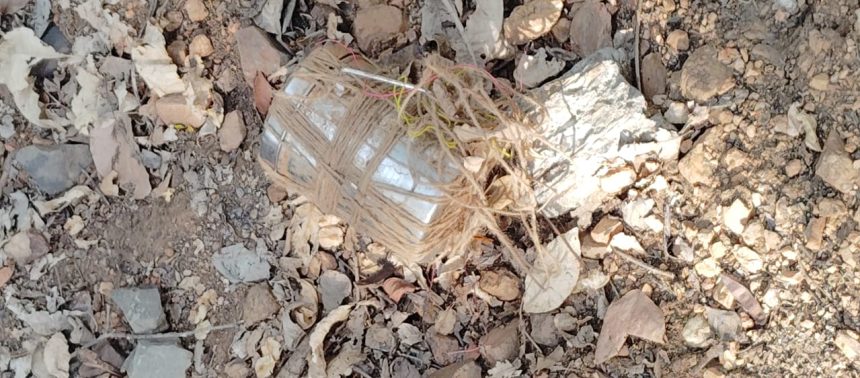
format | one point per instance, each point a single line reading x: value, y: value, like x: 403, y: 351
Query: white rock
x: 749, y: 260
x: 697, y: 332
x: 626, y: 243
x: 677, y: 113
x: 736, y: 216
x: 636, y: 211
x: 708, y: 268
x: 616, y: 181
x: 847, y: 342
x: 601, y: 117
x: 532, y: 70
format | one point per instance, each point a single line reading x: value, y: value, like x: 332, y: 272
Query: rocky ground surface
x: 139, y: 236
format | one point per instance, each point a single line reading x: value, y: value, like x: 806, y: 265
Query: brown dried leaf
x: 634, y: 314
x: 396, y: 288
x: 744, y: 297
x: 5, y: 275
x: 262, y: 94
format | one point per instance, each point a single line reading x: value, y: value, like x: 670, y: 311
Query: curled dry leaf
x: 154, y: 65
x: 800, y: 120
x: 70, y: 197
x: 396, y: 288
x: 20, y: 50
x: 532, y: 20
x: 744, y: 297
x: 316, y: 359
x: 484, y: 32
x: 634, y: 314
x: 305, y: 313
x: 553, y: 274
x: 56, y: 356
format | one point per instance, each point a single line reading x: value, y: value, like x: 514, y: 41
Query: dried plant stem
x: 159, y: 336
x: 648, y: 268
x: 636, y: 31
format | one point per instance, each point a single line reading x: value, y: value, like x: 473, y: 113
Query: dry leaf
x: 88, y: 105
x: 532, y: 70
x: 744, y: 297
x: 634, y: 314
x: 553, y: 274
x: 69, y: 197
x: 109, y: 27
x: 6, y: 273
x: 396, y: 288
x: 306, y: 313
x: 334, y: 287
x: 20, y: 50
x: 484, y: 31
x: 154, y: 64
x: 316, y: 360
x: 532, y: 20
x: 56, y: 356
x: 800, y: 120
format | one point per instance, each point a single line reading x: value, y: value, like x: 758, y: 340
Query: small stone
x: 196, y: 10
x: 696, y: 167
x: 26, y: 247
x: 55, y: 168
x: 820, y: 82
x: 465, y: 369
x: 704, y: 77
x: 618, y: 180
x: 708, y: 268
x: 832, y: 208
x: 377, y: 25
x: 735, y: 159
x: 443, y: 348
x: 150, y: 159
x: 380, y: 337
x: 532, y: 20
x: 501, y: 284
x: 725, y: 324
x: 724, y: 297
x: 653, y: 76
x: 259, y: 304
x: 276, y: 193
x: 683, y: 250
x: 592, y: 249
x: 847, y: 342
x: 735, y: 216
x: 696, y: 332
x: 718, y: 250
x: 543, y: 329
x: 677, y: 113
x: 201, y: 46
x: 793, y: 168
x: 238, y: 264
x: 334, y: 287
x: 142, y: 309
x: 258, y: 53
x: 232, y: 132
x: 626, y: 243
x: 176, y: 110
x: 815, y: 233
x: 590, y: 28
x: 500, y: 344
x: 835, y: 167
x: 151, y: 359
x: 678, y: 40
x: 6, y: 273
x: 749, y: 260
x: 178, y: 51
x: 561, y: 30
x: 605, y: 229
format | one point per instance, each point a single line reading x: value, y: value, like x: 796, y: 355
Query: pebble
x: 500, y: 344
x: 618, y: 180
x: 501, y: 284
x: 724, y: 297
x: 276, y: 193
x: 704, y: 77
x: 847, y: 342
x: 232, y: 132
x: 793, y: 168
x: 605, y: 229
x: 259, y: 304
x: 257, y: 53
x: 151, y: 359
x: 238, y: 264
x: 678, y: 40
x: 820, y: 82
x: 561, y: 30
x: 592, y: 249
x: 835, y: 166
x: 718, y: 250
x: 749, y: 260
x: 708, y: 268
x: 815, y: 233
x: 532, y: 20
x: 590, y: 28
x: 178, y: 51
x: 54, y: 169
x: 174, y: 109
x: 697, y: 332
x: 696, y: 168
x: 725, y: 324
x: 376, y: 25
x: 142, y: 308
x: 201, y: 46
x: 653, y: 75
x: 677, y: 113
x: 196, y: 10
x: 735, y: 159
x: 735, y: 216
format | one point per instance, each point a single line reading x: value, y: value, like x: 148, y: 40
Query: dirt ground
x: 761, y: 146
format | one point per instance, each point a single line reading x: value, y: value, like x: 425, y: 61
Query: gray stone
x: 697, y: 333
x: 835, y: 167
x: 704, y: 77
x: 141, y: 308
x: 53, y: 169
x: 150, y: 159
x: 677, y: 113
x: 725, y: 324
x: 593, y: 116
x: 238, y: 264
x: 653, y: 75
x: 157, y: 360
